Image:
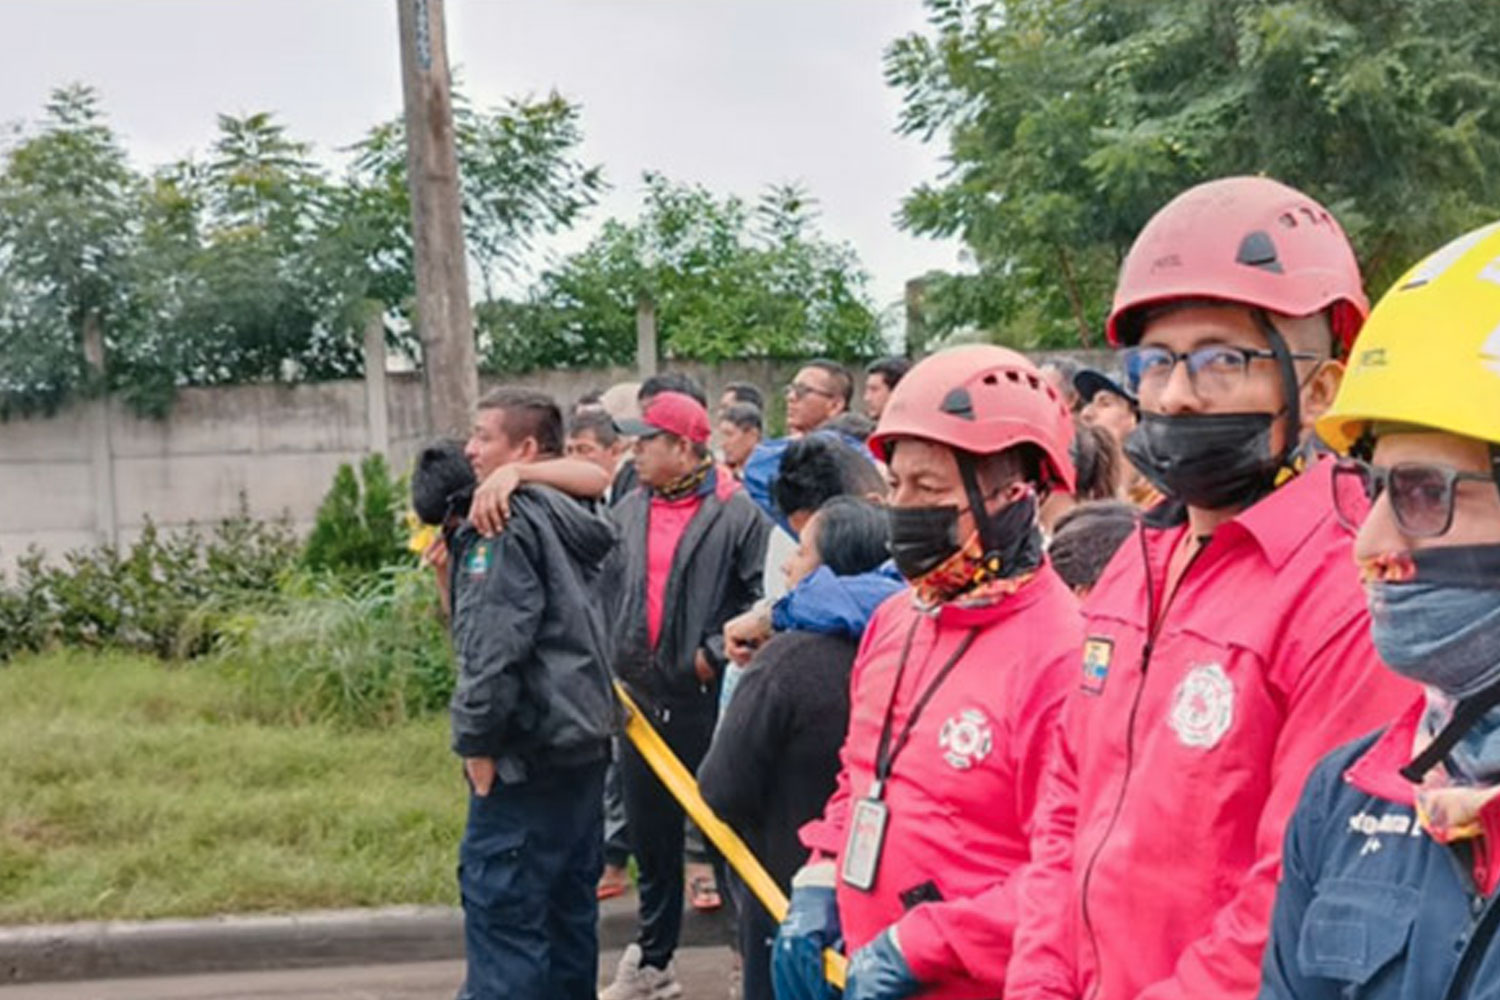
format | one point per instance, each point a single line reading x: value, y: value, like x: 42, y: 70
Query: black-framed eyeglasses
x: 1214, y: 369
x: 800, y: 390
x: 1421, y: 494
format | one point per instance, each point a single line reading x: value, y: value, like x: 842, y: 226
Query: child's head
x: 1086, y: 538
x: 442, y: 482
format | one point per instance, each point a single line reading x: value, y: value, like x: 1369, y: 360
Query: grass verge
x: 130, y: 789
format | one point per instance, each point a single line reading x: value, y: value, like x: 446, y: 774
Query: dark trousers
x: 527, y: 870
x: 616, y: 829
x: 756, y: 932
x: 656, y: 835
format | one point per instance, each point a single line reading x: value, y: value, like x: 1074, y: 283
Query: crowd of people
x: 1176, y: 681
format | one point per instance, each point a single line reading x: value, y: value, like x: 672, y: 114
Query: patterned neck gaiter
x: 686, y: 485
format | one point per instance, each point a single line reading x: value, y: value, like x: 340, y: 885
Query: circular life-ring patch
x: 1203, y: 707
x: 965, y: 739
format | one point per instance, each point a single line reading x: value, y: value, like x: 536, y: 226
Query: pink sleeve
x: 1042, y: 964
x: 972, y: 937
x: 1336, y: 694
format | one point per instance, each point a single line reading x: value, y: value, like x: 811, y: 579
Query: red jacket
x: 962, y: 792
x: 1181, y: 757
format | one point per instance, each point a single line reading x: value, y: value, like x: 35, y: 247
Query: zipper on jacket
x: 1153, y: 630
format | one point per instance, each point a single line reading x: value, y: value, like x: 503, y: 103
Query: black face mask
x: 923, y: 538
x: 1208, y: 460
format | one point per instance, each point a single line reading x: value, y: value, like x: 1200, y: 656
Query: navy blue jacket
x: 1370, y: 906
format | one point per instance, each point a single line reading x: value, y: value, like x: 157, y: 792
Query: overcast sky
x: 729, y: 93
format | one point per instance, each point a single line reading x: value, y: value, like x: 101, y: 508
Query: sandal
x: 703, y: 894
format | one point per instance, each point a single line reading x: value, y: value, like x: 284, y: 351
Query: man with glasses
x: 820, y: 391
x: 1226, y: 646
x: 1412, y: 867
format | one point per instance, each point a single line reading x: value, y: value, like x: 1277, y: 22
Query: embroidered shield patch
x: 1097, y: 654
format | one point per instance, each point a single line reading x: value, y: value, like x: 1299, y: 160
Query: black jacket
x: 775, y: 758
x: 716, y: 575
x: 533, y: 686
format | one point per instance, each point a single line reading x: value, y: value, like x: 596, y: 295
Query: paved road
x: 704, y: 973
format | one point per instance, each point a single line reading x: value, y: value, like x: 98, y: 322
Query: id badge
x: 866, y: 838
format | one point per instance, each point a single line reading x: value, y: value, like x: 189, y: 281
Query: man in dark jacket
x: 532, y: 711
x: 692, y: 547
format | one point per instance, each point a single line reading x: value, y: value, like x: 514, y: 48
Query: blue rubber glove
x: 878, y: 971
x: 811, y: 924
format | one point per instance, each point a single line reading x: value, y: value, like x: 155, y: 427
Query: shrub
x: 167, y: 595
x: 373, y: 654
x: 359, y: 524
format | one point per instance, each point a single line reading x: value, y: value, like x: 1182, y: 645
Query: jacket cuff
x: 922, y: 946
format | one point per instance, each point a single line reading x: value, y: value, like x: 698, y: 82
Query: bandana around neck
x: 688, y: 484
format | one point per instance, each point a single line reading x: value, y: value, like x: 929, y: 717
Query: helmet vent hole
x: 1288, y: 220
x: 990, y: 379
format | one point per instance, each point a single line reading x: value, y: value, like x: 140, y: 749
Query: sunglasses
x: 801, y: 390
x: 1421, y: 494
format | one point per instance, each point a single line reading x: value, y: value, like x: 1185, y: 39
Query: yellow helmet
x: 1430, y: 352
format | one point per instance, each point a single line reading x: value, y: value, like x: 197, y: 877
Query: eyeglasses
x: 1421, y: 494
x: 800, y: 390
x: 1214, y: 369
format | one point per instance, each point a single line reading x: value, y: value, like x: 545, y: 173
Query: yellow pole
x: 684, y: 788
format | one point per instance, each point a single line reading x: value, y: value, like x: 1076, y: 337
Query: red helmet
x: 980, y: 399
x: 1249, y: 240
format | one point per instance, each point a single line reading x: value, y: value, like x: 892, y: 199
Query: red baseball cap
x: 670, y: 413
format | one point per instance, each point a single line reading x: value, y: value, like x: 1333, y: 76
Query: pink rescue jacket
x: 1181, y: 755
x: 961, y: 794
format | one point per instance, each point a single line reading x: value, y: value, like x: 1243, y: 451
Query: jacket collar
x: 1377, y: 771
x: 1278, y: 525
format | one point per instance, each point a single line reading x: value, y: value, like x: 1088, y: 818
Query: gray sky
x: 729, y: 93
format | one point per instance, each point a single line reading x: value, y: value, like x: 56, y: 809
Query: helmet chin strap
x: 1289, y: 382
x: 968, y: 471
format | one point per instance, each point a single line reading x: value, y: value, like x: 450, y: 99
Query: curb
x: 114, y: 950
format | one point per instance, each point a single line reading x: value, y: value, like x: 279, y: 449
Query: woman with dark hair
x: 775, y: 756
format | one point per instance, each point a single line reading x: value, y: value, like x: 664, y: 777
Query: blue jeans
x: 528, y: 866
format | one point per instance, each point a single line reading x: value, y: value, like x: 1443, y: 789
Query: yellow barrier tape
x: 684, y: 788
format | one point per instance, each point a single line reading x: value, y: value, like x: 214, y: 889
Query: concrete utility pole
x: 444, y: 320
x: 645, y: 336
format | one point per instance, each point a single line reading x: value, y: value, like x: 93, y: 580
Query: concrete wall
x: 95, y: 472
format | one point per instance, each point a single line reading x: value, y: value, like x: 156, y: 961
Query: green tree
x: 1068, y: 122
x: 726, y: 281
x: 521, y: 179
x: 252, y: 264
x: 69, y: 222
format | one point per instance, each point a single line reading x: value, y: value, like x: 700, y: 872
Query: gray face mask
x: 1442, y: 628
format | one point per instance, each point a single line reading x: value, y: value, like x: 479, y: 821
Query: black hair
x: 1086, y: 538
x: 1096, y: 462
x: 819, y: 467
x: 598, y: 423
x: 891, y: 370
x: 526, y: 413
x: 442, y: 482
x: 681, y: 382
x: 744, y: 416
x: 744, y: 392
x: 843, y: 378
x: 855, y: 425
x: 852, y: 535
